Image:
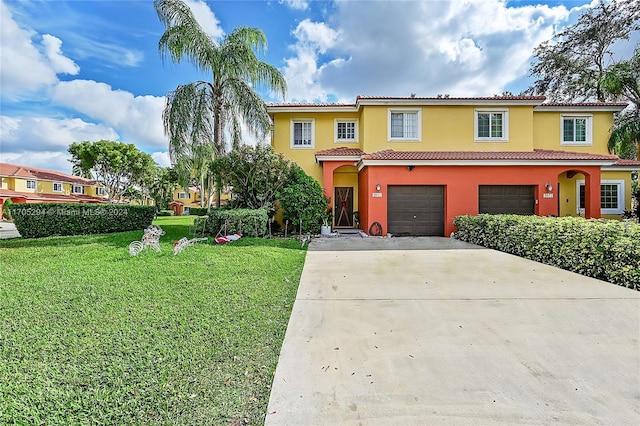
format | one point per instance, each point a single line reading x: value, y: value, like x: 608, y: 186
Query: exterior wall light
x: 549, y: 187
x: 410, y: 168
x: 378, y: 187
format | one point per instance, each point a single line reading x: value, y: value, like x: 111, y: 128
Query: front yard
x: 91, y: 335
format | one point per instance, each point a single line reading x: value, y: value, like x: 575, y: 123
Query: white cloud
x: 296, y: 4
x: 20, y: 134
x: 137, y: 118
x: 23, y: 68
x: 52, y: 160
x: 206, y: 18
x: 470, y: 48
x: 59, y: 63
x: 161, y: 158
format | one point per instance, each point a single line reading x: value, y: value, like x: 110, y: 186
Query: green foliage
x: 256, y: 175
x: 604, y: 249
x: 47, y: 219
x: 303, y: 199
x: 116, y: 165
x: 6, y: 211
x: 198, y: 211
x: 94, y: 336
x: 574, y: 63
x: 165, y: 213
x: 249, y: 223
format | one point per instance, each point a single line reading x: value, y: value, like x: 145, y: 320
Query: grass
x: 91, y: 335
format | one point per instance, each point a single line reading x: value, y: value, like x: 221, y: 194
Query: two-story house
x: 409, y: 165
x: 25, y: 184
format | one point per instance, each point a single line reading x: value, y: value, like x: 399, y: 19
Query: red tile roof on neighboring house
x: 341, y: 151
x: 447, y: 97
x: 62, y: 198
x: 537, y: 154
x: 28, y: 172
x: 584, y: 104
x: 623, y: 162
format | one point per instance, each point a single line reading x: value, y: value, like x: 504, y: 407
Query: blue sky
x: 75, y: 70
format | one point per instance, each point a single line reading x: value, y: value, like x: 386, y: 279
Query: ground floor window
x: 611, y: 196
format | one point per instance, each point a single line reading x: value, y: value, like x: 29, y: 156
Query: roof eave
x: 571, y: 163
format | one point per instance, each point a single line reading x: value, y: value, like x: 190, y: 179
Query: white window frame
x: 183, y: 196
x: 355, y: 130
x: 32, y: 184
x: 74, y: 189
x: 621, y: 196
x: 505, y: 124
x: 588, y: 130
x: 60, y: 184
x: 404, y: 138
x: 101, y: 191
x: 311, y: 121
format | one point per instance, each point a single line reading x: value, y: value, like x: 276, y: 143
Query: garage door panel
x: 506, y: 199
x: 415, y: 210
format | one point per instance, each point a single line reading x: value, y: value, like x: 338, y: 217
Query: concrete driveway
x: 424, y: 331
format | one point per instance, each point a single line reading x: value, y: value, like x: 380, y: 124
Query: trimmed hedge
x: 198, y: 211
x: 249, y: 223
x: 47, y: 219
x: 608, y: 250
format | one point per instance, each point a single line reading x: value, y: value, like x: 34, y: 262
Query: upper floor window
x: 57, y: 186
x: 32, y: 184
x: 404, y: 124
x: 576, y: 130
x: 101, y: 191
x: 346, y: 130
x: 611, y: 196
x: 302, y: 133
x: 183, y: 195
x: 78, y: 189
x: 491, y: 125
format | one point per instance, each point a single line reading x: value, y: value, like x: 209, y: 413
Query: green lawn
x: 91, y: 335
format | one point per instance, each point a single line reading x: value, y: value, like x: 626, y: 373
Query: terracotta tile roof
x: 623, y: 162
x: 584, y: 104
x: 446, y: 97
x: 63, y: 198
x: 537, y: 154
x: 29, y: 172
x: 306, y: 105
x: 341, y: 151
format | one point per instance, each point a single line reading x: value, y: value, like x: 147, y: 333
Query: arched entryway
x: 578, y: 193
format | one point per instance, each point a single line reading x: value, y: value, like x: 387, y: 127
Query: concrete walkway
x: 8, y: 230
x: 424, y: 331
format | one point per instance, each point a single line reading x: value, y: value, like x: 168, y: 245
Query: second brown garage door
x: 507, y: 199
x: 415, y: 210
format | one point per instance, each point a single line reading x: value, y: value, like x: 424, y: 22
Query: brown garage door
x: 507, y: 199
x: 415, y: 210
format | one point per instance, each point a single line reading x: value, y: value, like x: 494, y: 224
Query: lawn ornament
x: 183, y: 243
x: 150, y: 238
x: 227, y: 238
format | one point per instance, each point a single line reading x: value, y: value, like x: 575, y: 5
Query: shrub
x: 250, y: 223
x: 165, y: 213
x: 6, y: 210
x: 47, y: 219
x: 604, y: 249
x: 303, y: 202
x: 198, y: 211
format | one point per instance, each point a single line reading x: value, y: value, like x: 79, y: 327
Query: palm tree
x: 198, y: 114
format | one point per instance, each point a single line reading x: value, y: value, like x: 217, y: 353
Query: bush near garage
x: 248, y: 222
x: 198, y: 211
x: 608, y: 250
x: 48, y: 219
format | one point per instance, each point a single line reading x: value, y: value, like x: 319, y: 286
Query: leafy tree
x: 161, y: 185
x: 573, y: 65
x: 255, y: 174
x: 200, y: 112
x: 303, y: 201
x: 114, y: 164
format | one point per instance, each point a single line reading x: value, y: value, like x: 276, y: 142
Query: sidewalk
x: 8, y: 230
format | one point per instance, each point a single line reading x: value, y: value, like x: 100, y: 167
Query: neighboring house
x: 408, y: 166
x: 25, y: 184
x: 182, y: 200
